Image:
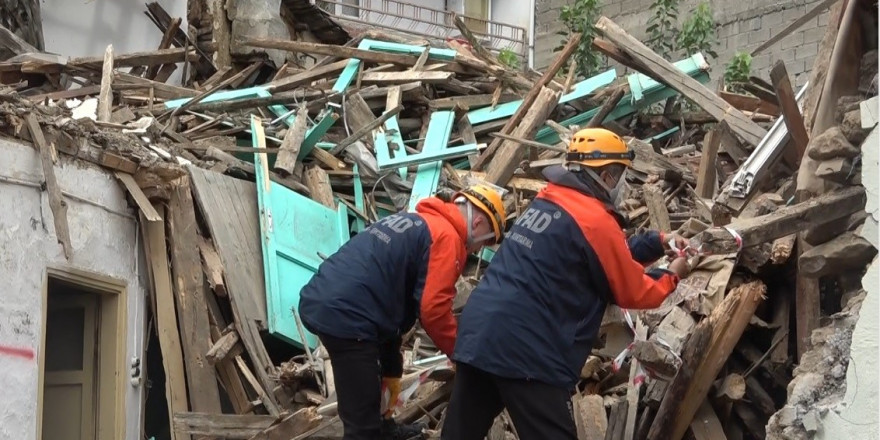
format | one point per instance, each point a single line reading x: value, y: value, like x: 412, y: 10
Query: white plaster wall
x: 857, y: 416
x: 104, y: 241
x: 79, y: 28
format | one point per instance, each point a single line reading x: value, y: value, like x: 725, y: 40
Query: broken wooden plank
x: 510, y: 153
x: 318, y: 183
x: 657, y: 209
x: 706, y: 425
x: 53, y: 190
x: 221, y: 349
x: 529, y: 101
x: 221, y: 425
x: 591, y: 413
x: 791, y: 114
x: 470, y: 102
x: 529, y: 143
x: 747, y: 103
x: 160, y: 90
x: 293, y: 139
x: 707, y: 180
x: 166, y: 317
x: 164, y: 56
x: 305, y: 78
x: 786, y: 220
x: 633, y: 386
x: 386, y: 78
x: 14, y: 43
x: 645, y: 60
x: 365, y: 129
x: 192, y: 308
x: 291, y: 426
x: 216, y: 153
x: 139, y: 197
x: 520, y: 183
x: 105, y: 98
x: 707, y: 353
x: 607, y: 107
x: 847, y: 252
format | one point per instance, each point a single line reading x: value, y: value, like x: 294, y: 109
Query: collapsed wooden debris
x: 375, y: 126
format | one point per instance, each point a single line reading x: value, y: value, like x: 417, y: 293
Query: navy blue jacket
x: 402, y: 268
x: 537, y: 309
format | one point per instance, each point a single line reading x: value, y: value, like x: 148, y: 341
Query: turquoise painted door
x: 296, y: 232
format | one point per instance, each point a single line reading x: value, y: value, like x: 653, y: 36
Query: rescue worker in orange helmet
x: 370, y: 292
x: 530, y: 323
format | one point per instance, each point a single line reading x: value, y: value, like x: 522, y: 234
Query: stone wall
x: 742, y: 26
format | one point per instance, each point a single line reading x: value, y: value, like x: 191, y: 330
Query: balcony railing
x: 427, y: 22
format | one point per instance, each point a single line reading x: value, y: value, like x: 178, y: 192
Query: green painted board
x: 424, y: 156
x: 294, y: 231
x: 359, y: 202
x: 581, y: 89
x: 428, y: 174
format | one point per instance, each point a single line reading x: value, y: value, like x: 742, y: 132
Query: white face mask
x: 616, y: 194
x: 471, y: 240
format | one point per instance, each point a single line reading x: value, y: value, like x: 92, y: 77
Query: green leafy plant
x: 663, y: 26
x: 508, y: 58
x: 581, y: 17
x: 698, y: 32
x: 737, y: 72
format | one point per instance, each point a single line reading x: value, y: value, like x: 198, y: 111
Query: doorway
x: 82, y: 364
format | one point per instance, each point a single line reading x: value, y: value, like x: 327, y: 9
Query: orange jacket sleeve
x: 445, y: 263
x: 630, y: 285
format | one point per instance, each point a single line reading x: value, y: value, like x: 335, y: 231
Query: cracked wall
x: 104, y: 240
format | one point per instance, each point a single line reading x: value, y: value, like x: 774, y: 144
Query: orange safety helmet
x: 488, y: 200
x: 597, y: 147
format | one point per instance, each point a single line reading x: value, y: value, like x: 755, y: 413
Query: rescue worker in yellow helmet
x: 370, y: 292
x: 530, y: 324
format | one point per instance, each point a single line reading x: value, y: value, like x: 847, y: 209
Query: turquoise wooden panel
x: 294, y: 231
x: 408, y: 49
x: 424, y: 156
x: 226, y: 95
x: 396, y: 140
x: 359, y: 203
x: 581, y: 89
x: 428, y: 174
x: 639, y: 84
x: 325, y: 120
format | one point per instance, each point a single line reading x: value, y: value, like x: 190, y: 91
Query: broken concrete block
x: 839, y: 170
x: 787, y: 416
x: 846, y: 252
x: 830, y: 144
x: 846, y: 104
x: 852, y: 127
x: 810, y: 421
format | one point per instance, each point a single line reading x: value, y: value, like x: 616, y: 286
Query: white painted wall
x: 104, y: 241
x: 856, y: 417
x: 80, y: 28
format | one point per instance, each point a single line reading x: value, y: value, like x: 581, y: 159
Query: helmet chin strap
x: 471, y: 240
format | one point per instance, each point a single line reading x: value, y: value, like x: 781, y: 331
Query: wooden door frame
x: 112, y: 367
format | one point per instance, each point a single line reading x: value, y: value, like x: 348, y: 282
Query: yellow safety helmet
x: 597, y: 147
x: 488, y: 200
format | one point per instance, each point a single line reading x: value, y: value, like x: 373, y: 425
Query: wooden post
x: 794, y: 121
x: 318, y: 182
x: 657, y: 211
x: 293, y: 139
x: 105, y: 98
x: 221, y: 34
x: 707, y: 179
x: 706, y: 353
x: 607, y: 106
x: 56, y: 201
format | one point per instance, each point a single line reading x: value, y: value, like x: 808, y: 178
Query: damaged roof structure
x: 177, y: 221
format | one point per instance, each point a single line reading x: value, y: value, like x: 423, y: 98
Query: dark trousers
x: 358, y: 367
x: 539, y: 411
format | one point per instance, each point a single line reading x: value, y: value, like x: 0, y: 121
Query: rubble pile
x: 371, y: 127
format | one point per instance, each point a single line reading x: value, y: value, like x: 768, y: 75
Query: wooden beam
x: 706, y: 425
x: 212, y: 267
x: 707, y: 179
x: 750, y: 103
x: 606, y: 108
x: 164, y: 56
x: 139, y: 197
x: 819, y: 72
x: 657, y: 210
x: 195, y: 330
x: 221, y: 425
x: 502, y: 166
x: 293, y: 139
x: 469, y: 102
x: 221, y: 34
x: 334, y: 50
x: 520, y: 183
x: 221, y: 349
x: 105, y: 98
x: 645, y: 60
x: 160, y: 90
x: 166, y: 318
x: 53, y: 190
x: 319, y: 184
x: 529, y: 101
x: 786, y: 220
x: 791, y: 114
x: 307, y: 77
x: 707, y: 351
x: 385, y: 78
x: 14, y: 43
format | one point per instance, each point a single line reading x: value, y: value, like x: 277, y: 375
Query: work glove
x: 392, y: 385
